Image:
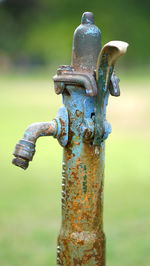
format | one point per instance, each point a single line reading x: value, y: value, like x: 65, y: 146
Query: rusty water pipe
x: 81, y: 128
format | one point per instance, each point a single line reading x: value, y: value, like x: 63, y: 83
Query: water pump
x: 81, y: 129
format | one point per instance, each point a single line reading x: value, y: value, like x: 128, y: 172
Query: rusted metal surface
x: 81, y: 128
x: 81, y: 240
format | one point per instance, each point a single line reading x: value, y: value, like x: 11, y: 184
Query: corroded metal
x: 81, y: 128
x: 58, y: 128
x: 73, y: 77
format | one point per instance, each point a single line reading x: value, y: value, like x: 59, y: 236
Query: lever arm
x: 107, y: 59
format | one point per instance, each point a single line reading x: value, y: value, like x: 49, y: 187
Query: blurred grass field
x: 30, y: 201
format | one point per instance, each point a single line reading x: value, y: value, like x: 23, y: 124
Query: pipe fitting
x: 25, y: 149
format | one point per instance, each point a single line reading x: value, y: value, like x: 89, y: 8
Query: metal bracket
x: 67, y: 76
x: 63, y: 126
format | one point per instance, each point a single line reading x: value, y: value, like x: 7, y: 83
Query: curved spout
x: 58, y: 128
x: 25, y: 149
x: 36, y: 130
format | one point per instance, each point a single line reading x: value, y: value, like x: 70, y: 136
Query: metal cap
x: 86, y: 44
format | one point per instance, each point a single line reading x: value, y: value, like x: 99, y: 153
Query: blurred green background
x: 35, y: 37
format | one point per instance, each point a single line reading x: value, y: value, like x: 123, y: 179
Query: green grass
x: 30, y: 201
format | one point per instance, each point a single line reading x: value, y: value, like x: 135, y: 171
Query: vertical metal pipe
x: 81, y: 240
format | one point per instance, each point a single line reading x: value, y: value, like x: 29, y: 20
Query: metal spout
x: 25, y: 149
x: 86, y: 44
